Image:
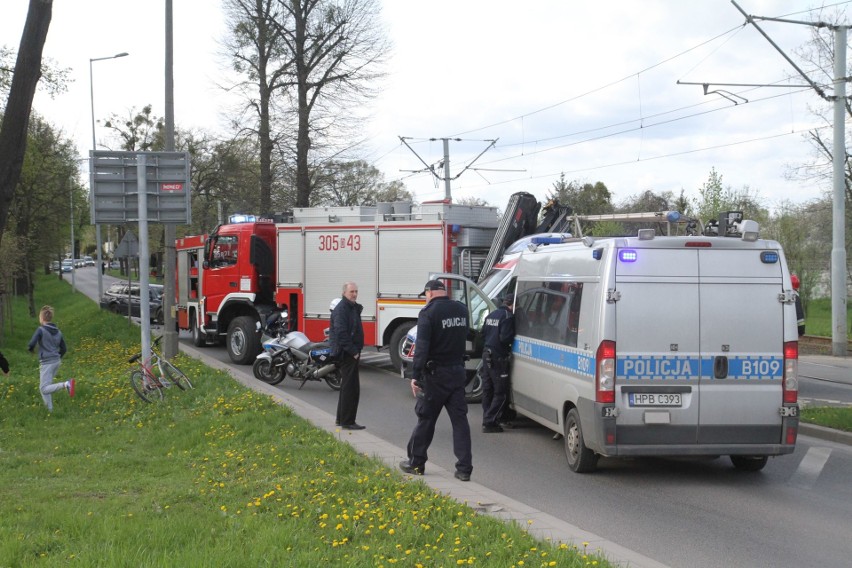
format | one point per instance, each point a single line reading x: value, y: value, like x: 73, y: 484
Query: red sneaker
x: 71, y: 385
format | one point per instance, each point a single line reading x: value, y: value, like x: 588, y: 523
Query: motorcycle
x: 291, y: 354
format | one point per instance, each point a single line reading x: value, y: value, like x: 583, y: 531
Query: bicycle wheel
x: 145, y: 388
x: 174, y: 375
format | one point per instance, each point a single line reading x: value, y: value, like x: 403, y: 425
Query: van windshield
x: 493, y: 280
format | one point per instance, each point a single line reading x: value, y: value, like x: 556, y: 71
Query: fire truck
x: 231, y: 280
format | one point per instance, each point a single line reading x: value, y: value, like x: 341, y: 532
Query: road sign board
x: 115, y: 188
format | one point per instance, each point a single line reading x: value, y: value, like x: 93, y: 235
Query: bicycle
x: 147, y: 383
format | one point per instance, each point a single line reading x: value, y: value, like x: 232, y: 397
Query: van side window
x: 549, y: 311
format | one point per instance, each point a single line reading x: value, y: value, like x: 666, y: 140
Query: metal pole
x: 170, y: 343
x: 91, y: 166
x: 73, y: 268
x: 144, y: 294
x: 448, y: 195
x: 838, y: 249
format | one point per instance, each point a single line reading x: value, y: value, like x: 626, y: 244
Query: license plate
x: 655, y: 399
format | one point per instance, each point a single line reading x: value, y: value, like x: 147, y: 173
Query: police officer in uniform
x: 439, y: 379
x: 499, y: 333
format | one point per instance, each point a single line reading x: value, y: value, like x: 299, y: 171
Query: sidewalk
x: 543, y: 526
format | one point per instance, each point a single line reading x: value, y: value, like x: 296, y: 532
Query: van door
x: 742, y: 339
x: 657, y: 336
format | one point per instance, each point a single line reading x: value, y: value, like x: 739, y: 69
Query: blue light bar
x: 234, y: 219
x: 627, y: 255
x: 546, y: 240
x: 768, y: 257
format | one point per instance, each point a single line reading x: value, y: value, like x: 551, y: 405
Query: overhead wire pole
x: 447, y: 178
x: 839, y: 341
x: 170, y: 345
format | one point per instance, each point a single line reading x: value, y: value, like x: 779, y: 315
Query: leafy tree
x: 48, y: 186
x: 140, y: 132
x: 715, y: 198
x: 353, y: 183
x: 472, y: 201
x: 13, y: 131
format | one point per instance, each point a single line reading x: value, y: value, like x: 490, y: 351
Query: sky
x: 585, y: 89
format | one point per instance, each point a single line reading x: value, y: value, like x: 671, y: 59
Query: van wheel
x: 580, y: 458
x: 749, y: 463
x: 396, y: 340
x: 199, y: 339
x: 242, y: 342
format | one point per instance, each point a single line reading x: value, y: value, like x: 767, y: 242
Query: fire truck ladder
x: 518, y: 220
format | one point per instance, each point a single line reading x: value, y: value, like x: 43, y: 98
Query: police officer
x: 439, y: 379
x: 499, y: 332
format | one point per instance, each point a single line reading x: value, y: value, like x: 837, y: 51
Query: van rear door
x: 742, y: 339
x: 657, y: 347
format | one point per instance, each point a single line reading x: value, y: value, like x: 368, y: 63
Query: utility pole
x: 170, y: 345
x: 447, y: 178
x: 839, y: 341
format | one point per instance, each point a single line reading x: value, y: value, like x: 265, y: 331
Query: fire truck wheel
x: 396, y: 342
x: 198, y: 338
x: 242, y: 343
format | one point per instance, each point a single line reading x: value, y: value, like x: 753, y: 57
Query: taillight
x: 605, y: 372
x: 790, y: 384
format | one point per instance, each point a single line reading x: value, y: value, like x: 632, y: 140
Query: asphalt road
x: 680, y: 512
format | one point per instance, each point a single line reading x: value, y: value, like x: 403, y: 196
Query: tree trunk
x: 13, y: 133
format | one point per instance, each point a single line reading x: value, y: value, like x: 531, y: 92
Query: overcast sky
x: 581, y: 87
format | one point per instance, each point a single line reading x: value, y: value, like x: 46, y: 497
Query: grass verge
x: 215, y: 476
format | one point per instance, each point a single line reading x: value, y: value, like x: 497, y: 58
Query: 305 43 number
x: 339, y: 242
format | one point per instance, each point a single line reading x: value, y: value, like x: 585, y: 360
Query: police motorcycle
x: 291, y: 354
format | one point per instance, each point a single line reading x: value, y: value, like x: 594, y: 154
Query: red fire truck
x: 229, y: 281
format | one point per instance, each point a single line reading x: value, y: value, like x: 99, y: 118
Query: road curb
x: 823, y: 433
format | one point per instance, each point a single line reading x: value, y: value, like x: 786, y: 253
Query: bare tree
x: 338, y: 49
x: 256, y: 48
x: 13, y: 132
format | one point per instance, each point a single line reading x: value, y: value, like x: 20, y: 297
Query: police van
x: 659, y: 345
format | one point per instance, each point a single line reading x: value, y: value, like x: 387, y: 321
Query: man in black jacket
x: 439, y: 379
x: 347, y: 341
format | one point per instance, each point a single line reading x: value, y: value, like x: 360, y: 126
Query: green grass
x: 818, y: 318
x: 828, y: 416
x: 215, y: 476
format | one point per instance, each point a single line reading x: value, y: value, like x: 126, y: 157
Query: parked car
x: 116, y: 299
x: 55, y: 266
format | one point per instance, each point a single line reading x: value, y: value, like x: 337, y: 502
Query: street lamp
x: 91, y: 165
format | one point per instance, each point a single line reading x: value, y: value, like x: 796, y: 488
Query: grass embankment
x: 216, y: 476
x: 818, y: 318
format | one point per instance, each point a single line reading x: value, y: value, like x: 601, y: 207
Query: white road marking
x: 810, y: 467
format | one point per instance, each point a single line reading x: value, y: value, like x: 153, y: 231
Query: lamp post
x: 91, y: 165
x: 73, y: 268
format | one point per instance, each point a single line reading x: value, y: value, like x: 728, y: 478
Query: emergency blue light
x: 768, y: 257
x: 234, y: 219
x: 597, y: 254
x: 627, y: 255
x: 546, y: 240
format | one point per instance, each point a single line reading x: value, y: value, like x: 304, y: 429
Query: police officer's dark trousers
x: 350, y: 390
x: 444, y: 389
x: 495, y: 390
